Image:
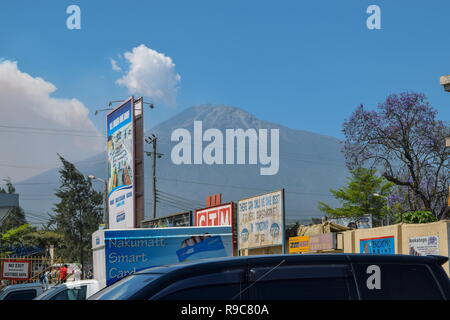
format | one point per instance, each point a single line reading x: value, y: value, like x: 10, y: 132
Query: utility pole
x: 445, y: 82
x: 153, y: 140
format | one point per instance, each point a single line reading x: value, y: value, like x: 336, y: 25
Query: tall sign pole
x: 154, y: 177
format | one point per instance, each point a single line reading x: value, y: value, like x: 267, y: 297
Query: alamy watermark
x: 189, y: 149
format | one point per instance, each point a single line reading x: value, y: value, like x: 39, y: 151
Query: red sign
x: 221, y: 215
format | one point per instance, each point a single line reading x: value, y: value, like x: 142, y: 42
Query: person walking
x: 77, y: 274
x: 63, y: 274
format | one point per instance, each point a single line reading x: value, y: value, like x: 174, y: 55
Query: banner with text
x: 214, y: 216
x: 261, y: 221
x: 128, y: 251
x: 120, y: 150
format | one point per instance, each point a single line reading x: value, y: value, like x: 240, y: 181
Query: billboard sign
x: 221, y: 215
x: 182, y: 219
x: 424, y: 246
x: 320, y: 242
x: 260, y: 221
x: 121, y: 166
x: 363, y: 222
x: 15, y: 270
x: 299, y: 244
x: 128, y: 251
x: 381, y: 245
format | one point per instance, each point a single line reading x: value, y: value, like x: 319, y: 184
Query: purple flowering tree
x: 404, y: 140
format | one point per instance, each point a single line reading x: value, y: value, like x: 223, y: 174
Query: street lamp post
x: 105, y: 200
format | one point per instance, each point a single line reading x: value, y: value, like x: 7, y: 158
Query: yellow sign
x: 299, y: 244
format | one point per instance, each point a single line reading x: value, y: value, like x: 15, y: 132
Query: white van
x: 72, y: 290
x: 25, y: 291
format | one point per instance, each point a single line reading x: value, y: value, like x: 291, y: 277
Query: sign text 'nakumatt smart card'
x: 120, y: 167
x: 128, y: 251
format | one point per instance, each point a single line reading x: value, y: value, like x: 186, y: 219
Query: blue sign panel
x: 383, y: 245
x: 128, y: 251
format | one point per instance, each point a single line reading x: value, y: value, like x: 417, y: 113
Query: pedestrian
x: 77, y: 274
x: 63, y: 274
x: 45, y: 279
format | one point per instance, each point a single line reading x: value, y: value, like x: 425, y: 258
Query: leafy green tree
x: 365, y: 193
x: 25, y: 236
x: 16, y: 216
x: 77, y: 215
x: 415, y: 217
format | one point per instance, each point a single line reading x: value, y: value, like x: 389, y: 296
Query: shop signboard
x: 299, y: 244
x: 320, y: 242
x: 380, y: 245
x: 221, y: 215
x: 128, y: 251
x: 260, y: 221
x: 15, y: 270
x: 363, y: 222
x: 182, y: 219
x: 120, y: 149
x: 424, y: 246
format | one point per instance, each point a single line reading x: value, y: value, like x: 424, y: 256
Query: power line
x: 178, y: 199
x: 241, y: 187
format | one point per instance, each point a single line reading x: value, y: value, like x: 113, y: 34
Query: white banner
x: 424, y: 246
x: 261, y: 221
x: 15, y: 270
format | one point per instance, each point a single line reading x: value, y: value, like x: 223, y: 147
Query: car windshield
x: 126, y: 287
x: 46, y: 293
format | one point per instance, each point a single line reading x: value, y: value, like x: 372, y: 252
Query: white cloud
x: 151, y: 74
x: 26, y: 102
x: 115, y: 66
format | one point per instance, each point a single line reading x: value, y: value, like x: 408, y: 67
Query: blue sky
x: 303, y: 64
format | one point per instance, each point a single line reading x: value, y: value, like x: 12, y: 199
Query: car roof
x: 295, y: 258
x: 23, y: 286
x: 76, y: 283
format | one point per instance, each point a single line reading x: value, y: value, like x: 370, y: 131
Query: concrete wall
x: 402, y: 233
x: 440, y: 229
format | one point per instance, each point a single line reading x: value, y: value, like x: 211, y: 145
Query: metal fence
x: 29, y: 269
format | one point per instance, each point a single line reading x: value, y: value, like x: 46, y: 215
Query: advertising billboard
x: 320, y: 242
x: 120, y: 151
x: 424, y: 246
x: 15, y: 270
x: 128, y: 251
x: 299, y: 244
x: 260, y: 221
x: 381, y: 245
x: 221, y: 215
x: 182, y: 219
x: 363, y: 222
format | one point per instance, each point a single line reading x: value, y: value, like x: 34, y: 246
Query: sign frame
x: 16, y: 261
x: 130, y: 100
x: 283, y: 221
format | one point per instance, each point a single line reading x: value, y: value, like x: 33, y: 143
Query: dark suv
x: 289, y: 277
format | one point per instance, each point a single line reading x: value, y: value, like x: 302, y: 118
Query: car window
x: 78, y: 293
x: 301, y: 283
x: 222, y: 285
x: 396, y: 281
x: 125, y: 287
x: 22, y: 295
x: 211, y: 292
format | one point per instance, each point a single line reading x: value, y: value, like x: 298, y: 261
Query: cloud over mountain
x: 151, y: 74
x: 34, y: 126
